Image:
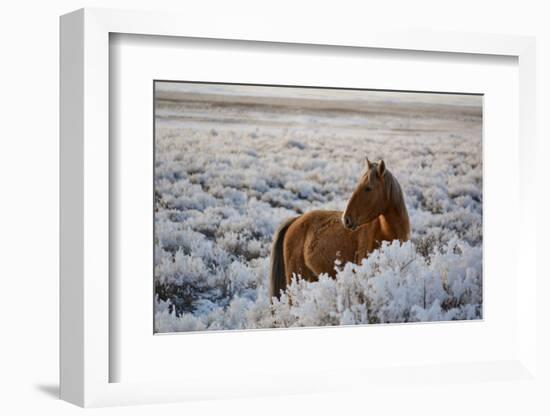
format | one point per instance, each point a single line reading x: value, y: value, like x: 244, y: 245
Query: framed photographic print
x: 275, y: 212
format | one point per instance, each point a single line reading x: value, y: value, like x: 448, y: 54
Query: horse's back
x: 316, y: 240
x: 314, y: 224
x: 298, y: 239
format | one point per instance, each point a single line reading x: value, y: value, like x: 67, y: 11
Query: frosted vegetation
x: 228, y: 171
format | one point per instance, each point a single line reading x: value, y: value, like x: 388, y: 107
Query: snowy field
x: 232, y: 162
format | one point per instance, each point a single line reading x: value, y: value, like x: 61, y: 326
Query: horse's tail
x: 277, y: 276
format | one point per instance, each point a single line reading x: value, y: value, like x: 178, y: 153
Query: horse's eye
x: 368, y: 189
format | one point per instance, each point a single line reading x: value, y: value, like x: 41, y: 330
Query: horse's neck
x: 395, y: 224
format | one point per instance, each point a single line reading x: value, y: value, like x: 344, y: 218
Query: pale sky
x: 323, y: 94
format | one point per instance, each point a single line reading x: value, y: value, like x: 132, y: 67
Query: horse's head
x: 369, y: 199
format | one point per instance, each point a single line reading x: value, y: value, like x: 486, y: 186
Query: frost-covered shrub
x: 394, y: 284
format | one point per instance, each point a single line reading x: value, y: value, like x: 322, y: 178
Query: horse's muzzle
x: 348, y: 223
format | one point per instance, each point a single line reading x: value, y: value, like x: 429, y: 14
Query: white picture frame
x: 86, y: 356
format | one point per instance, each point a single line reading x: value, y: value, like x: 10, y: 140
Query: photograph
x: 298, y: 206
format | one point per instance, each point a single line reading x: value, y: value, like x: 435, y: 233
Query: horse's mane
x: 395, y: 194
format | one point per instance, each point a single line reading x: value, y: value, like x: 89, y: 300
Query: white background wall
x: 29, y: 80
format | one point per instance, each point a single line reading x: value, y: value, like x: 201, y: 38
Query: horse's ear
x: 381, y: 168
x: 369, y: 164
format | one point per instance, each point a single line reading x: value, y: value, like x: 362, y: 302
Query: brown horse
x: 309, y: 245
